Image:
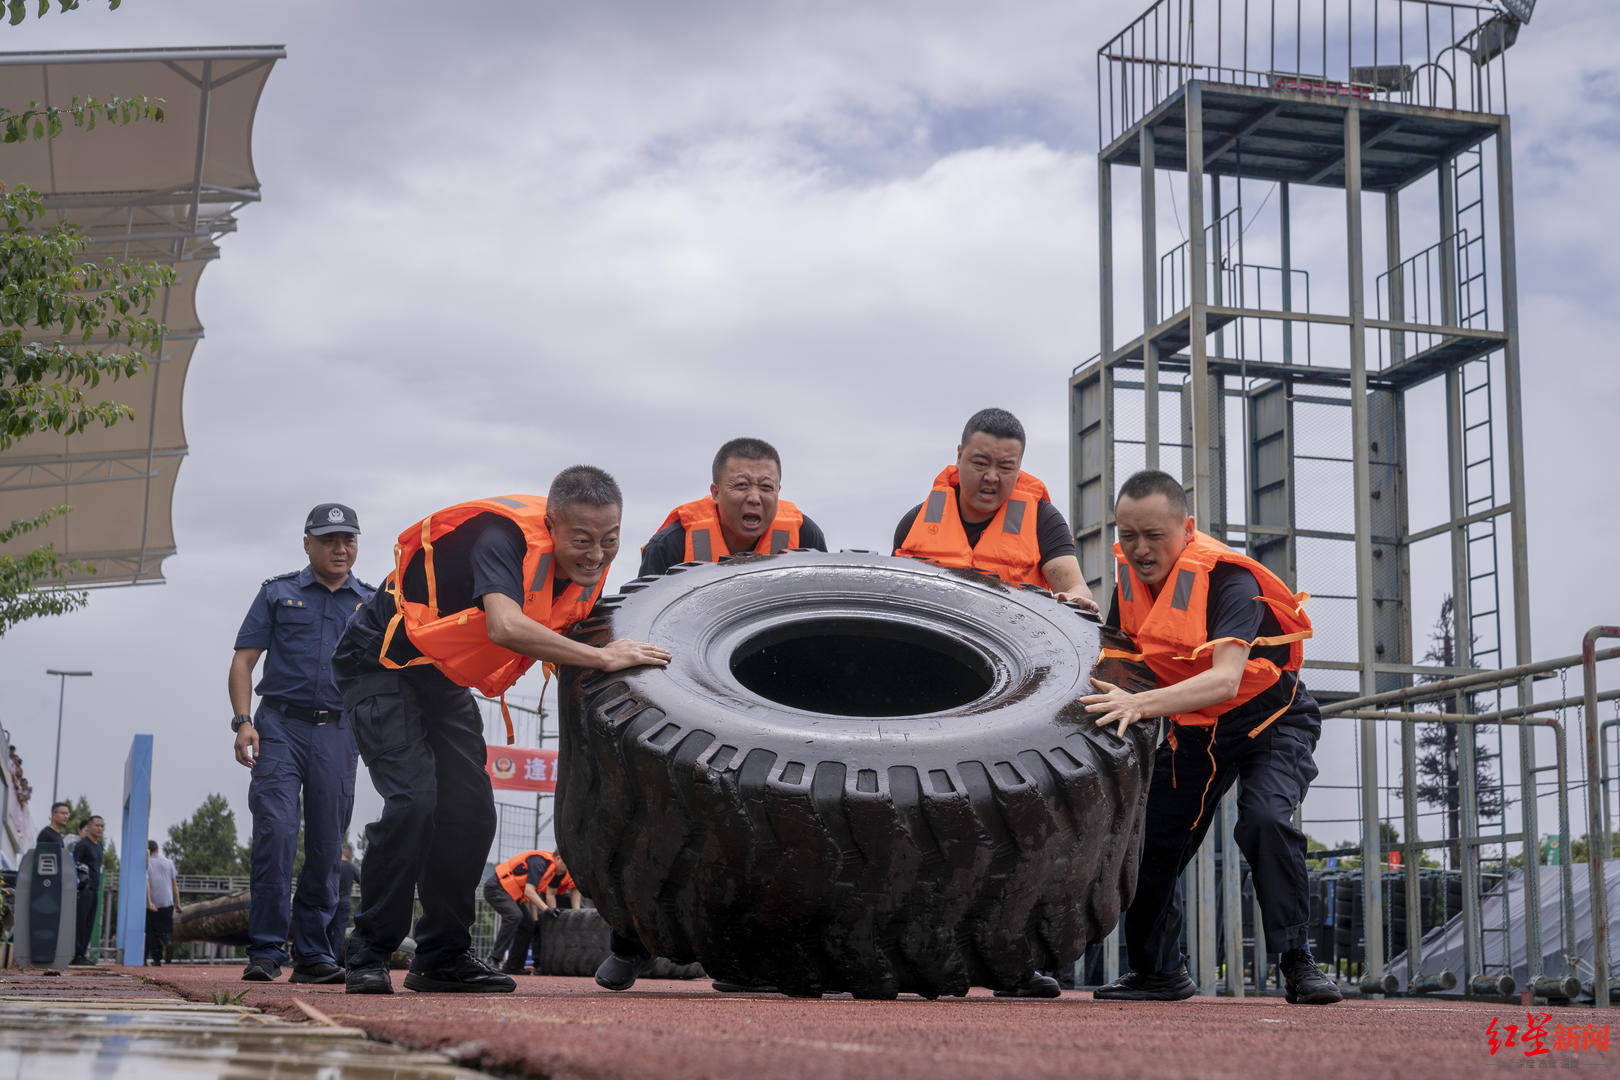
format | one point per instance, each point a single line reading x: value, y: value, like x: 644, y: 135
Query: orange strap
x: 1121, y: 654
x: 1217, y: 641
x: 511, y: 735
x: 394, y: 623
x: 1267, y: 722
x: 1270, y: 719
x: 427, y: 563
x: 1205, y: 795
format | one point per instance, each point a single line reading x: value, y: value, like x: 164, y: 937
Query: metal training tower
x: 1341, y: 399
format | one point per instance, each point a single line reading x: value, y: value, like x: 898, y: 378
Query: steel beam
x: 1150, y: 300
x: 1203, y: 474
x: 1520, y: 544
x: 1371, y: 876
x: 1597, y: 841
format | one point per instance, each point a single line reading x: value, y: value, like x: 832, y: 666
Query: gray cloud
x: 498, y: 239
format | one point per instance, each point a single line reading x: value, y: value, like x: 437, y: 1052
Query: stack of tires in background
x: 575, y: 942
x: 1338, y: 931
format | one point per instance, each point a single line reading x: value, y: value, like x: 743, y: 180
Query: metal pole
x: 1203, y: 478
x: 1150, y: 300
x: 1446, y: 687
x: 56, y: 770
x: 1286, y: 218
x: 1232, y: 895
x: 1371, y: 876
x: 1597, y: 843
x: 1105, y: 267
x: 61, y: 698
x: 1517, y: 528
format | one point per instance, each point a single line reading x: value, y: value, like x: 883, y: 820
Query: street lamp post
x: 56, y: 773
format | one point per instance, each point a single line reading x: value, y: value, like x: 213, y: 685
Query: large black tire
x: 222, y: 920
x: 858, y: 773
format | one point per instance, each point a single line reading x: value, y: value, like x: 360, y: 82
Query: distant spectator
x: 348, y: 876
x: 87, y: 853
x: 162, y: 901
x: 52, y: 833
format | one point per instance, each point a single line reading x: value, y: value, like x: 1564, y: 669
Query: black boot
x: 1134, y: 986
x: 1305, y: 982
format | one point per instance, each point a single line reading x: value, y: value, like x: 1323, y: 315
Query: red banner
x: 518, y: 768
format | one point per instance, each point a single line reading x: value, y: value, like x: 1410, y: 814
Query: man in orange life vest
x: 1224, y: 636
x: 479, y: 592
x: 519, y: 890
x: 987, y: 513
x: 743, y: 512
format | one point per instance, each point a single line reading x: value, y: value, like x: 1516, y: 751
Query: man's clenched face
x: 1152, y: 534
x: 988, y: 470
x: 746, y: 496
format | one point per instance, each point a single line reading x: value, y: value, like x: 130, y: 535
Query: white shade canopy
x: 152, y: 192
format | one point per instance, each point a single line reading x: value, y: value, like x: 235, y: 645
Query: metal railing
x: 1231, y: 281
x: 1415, y: 52
x: 1579, y: 970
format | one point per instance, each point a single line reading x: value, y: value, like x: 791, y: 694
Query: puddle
x: 157, y: 1039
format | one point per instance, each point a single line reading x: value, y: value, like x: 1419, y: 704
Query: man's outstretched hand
x: 1116, y: 706
x: 1086, y: 603
x: 624, y: 653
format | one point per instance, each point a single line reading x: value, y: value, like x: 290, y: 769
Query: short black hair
x: 747, y: 449
x: 61, y: 802
x: 95, y: 817
x: 996, y: 422
x: 151, y: 845
x: 1154, y: 482
x: 583, y: 484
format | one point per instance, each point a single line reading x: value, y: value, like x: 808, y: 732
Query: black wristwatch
x: 238, y: 720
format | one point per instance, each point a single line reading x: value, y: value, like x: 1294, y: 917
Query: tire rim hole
x: 867, y: 668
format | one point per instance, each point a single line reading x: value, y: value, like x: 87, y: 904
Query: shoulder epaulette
x: 282, y: 577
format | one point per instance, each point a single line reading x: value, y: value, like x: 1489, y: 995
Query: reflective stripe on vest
x: 1009, y: 547
x: 457, y: 642
x: 508, y: 873
x: 706, y: 543
x: 1171, y: 629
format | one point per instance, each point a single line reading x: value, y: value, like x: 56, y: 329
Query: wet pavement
x: 569, y: 1029
x: 107, y: 1023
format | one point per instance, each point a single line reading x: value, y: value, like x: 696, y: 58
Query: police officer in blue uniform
x: 297, y: 740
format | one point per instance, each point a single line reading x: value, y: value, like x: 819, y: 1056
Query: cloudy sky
x: 501, y: 238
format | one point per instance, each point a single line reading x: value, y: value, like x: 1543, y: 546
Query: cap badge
x: 334, y: 514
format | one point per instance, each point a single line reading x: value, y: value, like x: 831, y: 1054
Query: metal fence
x: 1481, y: 876
x: 1415, y: 52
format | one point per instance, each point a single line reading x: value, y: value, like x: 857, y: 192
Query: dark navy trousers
x: 317, y: 760
x: 422, y: 739
x: 1274, y: 769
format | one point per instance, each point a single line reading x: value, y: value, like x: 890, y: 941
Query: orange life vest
x: 1171, y: 629
x: 1010, y: 546
x: 457, y: 642
x: 513, y: 874
x: 705, y: 542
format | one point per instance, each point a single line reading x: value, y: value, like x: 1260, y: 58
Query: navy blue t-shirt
x: 298, y: 622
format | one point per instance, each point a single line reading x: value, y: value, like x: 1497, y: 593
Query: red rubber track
x: 569, y: 1029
